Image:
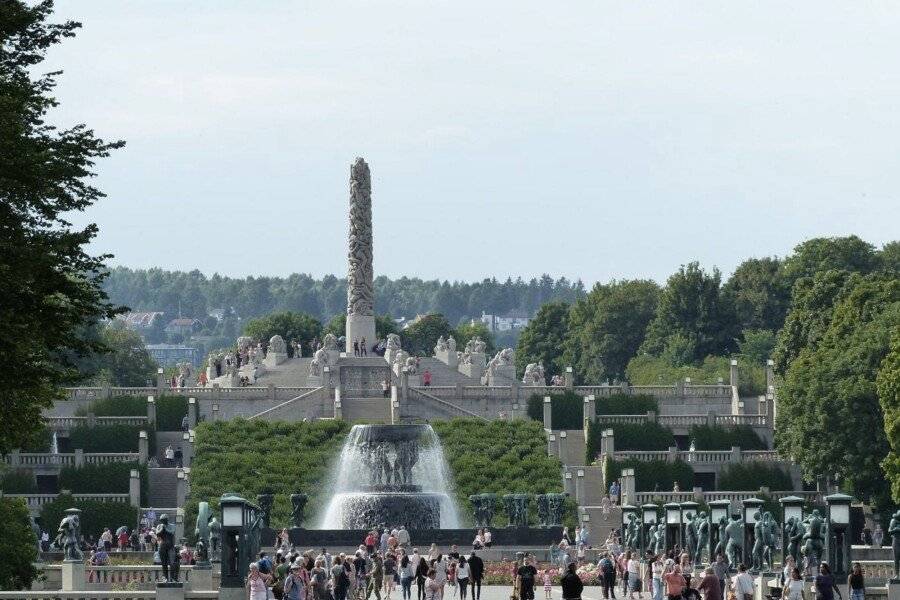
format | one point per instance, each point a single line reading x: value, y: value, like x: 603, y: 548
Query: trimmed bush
x: 106, y: 438
x: 109, y: 478
x: 18, y: 482
x: 254, y: 457
x: 95, y: 516
x: 499, y: 457
x: 629, y: 436
x: 654, y: 475
x: 567, y: 408
x: 18, y: 546
x: 714, y: 437
x: 753, y: 475
x: 170, y: 409
x: 40, y: 441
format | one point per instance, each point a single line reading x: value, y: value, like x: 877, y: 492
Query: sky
x: 591, y: 140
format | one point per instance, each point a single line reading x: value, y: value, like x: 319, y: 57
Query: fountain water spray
x: 389, y: 475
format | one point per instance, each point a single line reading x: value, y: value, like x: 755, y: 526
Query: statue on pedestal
x: 793, y: 533
x: 723, y: 538
x: 202, y: 532
x: 759, y: 542
x: 813, y: 541
x: 451, y: 344
x: 690, y: 532
x: 69, y: 535
x: 440, y: 346
x: 298, y: 504
x: 702, y: 538
x: 265, y: 508
x: 894, y: 531
x: 734, y: 548
x: 168, y: 551
x: 215, y: 540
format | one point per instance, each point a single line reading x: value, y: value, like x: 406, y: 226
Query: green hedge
x: 253, y: 457
x: 714, y: 437
x: 108, y: 438
x: 95, y: 516
x: 109, y: 478
x: 18, y: 482
x: 499, y: 457
x: 629, y: 436
x: 40, y: 441
x: 654, y: 475
x: 170, y: 409
x: 18, y: 546
x: 754, y: 475
x: 567, y: 408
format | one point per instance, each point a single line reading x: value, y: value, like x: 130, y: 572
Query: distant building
x: 140, y: 321
x: 218, y: 314
x: 169, y: 355
x: 183, y: 326
x: 514, y: 319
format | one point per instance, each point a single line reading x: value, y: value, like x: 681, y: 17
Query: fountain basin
x: 359, y: 510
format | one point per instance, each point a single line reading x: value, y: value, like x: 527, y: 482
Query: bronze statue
x: 168, y: 552
x: 894, y: 531
x: 69, y: 535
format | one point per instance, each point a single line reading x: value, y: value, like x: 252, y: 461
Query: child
x: 548, y: 586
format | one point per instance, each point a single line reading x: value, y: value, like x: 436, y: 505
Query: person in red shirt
x: 123, y: 540
x: 426, y: 378
x: 370, y: 542
x: 675, y: 583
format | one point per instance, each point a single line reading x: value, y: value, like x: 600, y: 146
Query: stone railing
x: 700, y: 456
x: 66, y: 423
x: 643, y: 455
x: 735, y: 497
x: 632, y: 419
x: 760, y: 455
x: 39, y: 460
x: 294, y: 409
x: 420, y: 395
x: 689, y: 420
x: 79, y: 595
x: 142, y: 576
x: 36, y: 501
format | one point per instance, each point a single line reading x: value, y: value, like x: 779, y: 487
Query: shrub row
x: 567, y: 408
x: 109, y: 478
x: 629, y: 436
x: 18, y: 482
x: 95, y: 516
x: 499, y: 457
x: 109, y: 438
x: 652, y: 476
x: 714, y: 437
x: 254, y: 457
x: 170, y: 409
x: 754, y: 475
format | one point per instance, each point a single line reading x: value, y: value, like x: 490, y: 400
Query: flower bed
x: 501, y: 573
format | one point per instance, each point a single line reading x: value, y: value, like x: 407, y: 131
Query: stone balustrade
x: 66, y: 423
x: 699, y: 495
x: 49, y: 460
x: 36, y: 501
x: 700, y: 456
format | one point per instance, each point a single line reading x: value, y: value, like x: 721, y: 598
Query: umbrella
x: 121, y: 529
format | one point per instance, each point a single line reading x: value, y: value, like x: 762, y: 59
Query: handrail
x: 286, y: 402
x: 451, y: 406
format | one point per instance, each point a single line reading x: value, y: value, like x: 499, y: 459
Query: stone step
x: 371, y: 410
x: 162, y: 487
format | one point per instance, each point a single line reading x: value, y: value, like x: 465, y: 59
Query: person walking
x: 825, y: 584
x: 794, y: 586
x: 571, y: 584
x: 633, y: 570
x: 389, y: 566
x: 526, y: 578
x: 656, y: 572
x: 294, y: 585
x: 709, y: 585
x: 421, y: 577
x: 463, y: 574
x: 476, y: 574
x: 743, y: 584
x: 407, y: 574
x: 720, y: 568
x: 257, y: 584
x: 376, y: 577
x: 856, y: 583
x: 675, y: 583
x: 608, y: 577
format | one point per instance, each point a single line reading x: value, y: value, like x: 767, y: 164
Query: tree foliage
x: 567, y: 408
x: 715, y: 437
x: 420, y: 338
x: 123, y: 361
x: 746, y: 476
x: 49, y: 284
x: 652, y: 475
x: 826, y: 254
x: 829, y: 418
x: 606, y: 328
x: 760, y: 294
x: 542, y: 339
x: 693, y: 319
x: 289, y: 325
x: 467, y: 331
x: 95, y: 515
x: 888, y: 383
x: 18, y: 545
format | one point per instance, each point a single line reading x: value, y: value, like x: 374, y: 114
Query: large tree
x: 18, y: 544
x: 124, y: 362
x: 542, y: 339
x: 467, y: 331
x: 693, y: 319
x: 829, y: 418
x: 606, y: 328
x: 888, y: 383
x: 824, y: 254
x: 49, y: 284
x: 759, y: 293
x: 420, y: 338
x: 289, y: 325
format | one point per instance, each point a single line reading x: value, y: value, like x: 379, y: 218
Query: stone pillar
x: 607, y: 442
x: 570, y: 379
x: 180, y: 488
x: 73, y: 576
x: 151, y: 410
x: 192, y: 413
x: 187, y: 449
x: 651, y: 416
x: 143, y: 448
x: 569, y: 483
x: 514, y: 391
x: 579, y: 487
x: 215, y: 412
x: 395, y: 412
x: 679, y: 388
x: 338, y: 412
x: 770, y: 375
x: 14, y: 459
x: 202, y: 577
x: 893, y: 589
x: 134, y: 488
x: 590, y: 409
x: 514, y: 412
x: 710, y: 418
x: 770, y: 392
x: 160, y: 382
x: 673, y: 454
x: 552, y: 445
x: 548, y: 413
x: 91, y: 420
x: 404, y: 383
x: 360, y: 287
x: 170, y: 591
x: 733, y: 373
x: 79, y: 457
x: 179, y: 522
x: 735, y: 454
x: 563, y: 439
x: 628, y: 488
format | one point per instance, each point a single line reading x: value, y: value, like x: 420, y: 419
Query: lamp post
x: 673, y: 524
x: 719, y: 511
x: 752, y: 508
x: 688, y: 512
x: 239, y: 544
x: 837, y: 542
x: 628, y: 512
x: 791, y: 508
x: 649, y: 517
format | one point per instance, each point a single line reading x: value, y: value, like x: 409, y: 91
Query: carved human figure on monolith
x: 556, y: 504
x: 298, y: 504
x: 690, y: 531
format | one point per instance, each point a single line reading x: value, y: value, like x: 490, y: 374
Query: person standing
x: 376, y: 577
x: 675, y: 583
x: 571, y: 584
x: 476, y: 574
x: 421, y: 578
x: 856, y: 583
x: 339, y: 580
x: 608, y: 577
x: 463, y: 574
x: 407, y: 574
x: 632, y: 569
x: 709, y: 586
x: 389, y: 565
x: 257, y: 584
x: 426, y: 378
x: 794, y: 586
x: 614, y: 491
x: 362, y: 347
x: 487, y: 538
x: 743, y: 584
x: 294, y: 586
x: 526, y: 577
x: 720, y: 568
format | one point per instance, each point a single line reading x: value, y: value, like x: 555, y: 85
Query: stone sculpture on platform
x: 451, y: 344
x: 440, y: 346
x: 632, y: 529
x: 277, y: 345
x: 759, y: 542
x: 475, y: 346
x: 483, y: 508
x: 298, y: 505
x: 793, y: 534
x: 702, y: 538
x: 813, y: 540
x: 265, y: 508
x: 534, y: 374
x: 690, y: 534
x: 734, y: 548
x: 770, y: 535
x: 723, y: 537
x: 215, y: 540
x: 516, y: 506
x: 360, y: 273
x: 168, y: 551
x: 68, y: 535
x: 894, y: 532
x: 329, y: 343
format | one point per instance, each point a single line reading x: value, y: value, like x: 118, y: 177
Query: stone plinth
x: 448, y: 357
x: 72, y: 575
x: 273, y: 359
x: 202, y: 577
x: 359, y: 327
x: 501, y: 375
x: 893, y: 589
x: 170, y: 591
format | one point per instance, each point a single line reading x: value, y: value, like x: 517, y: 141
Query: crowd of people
x: 384, y: 565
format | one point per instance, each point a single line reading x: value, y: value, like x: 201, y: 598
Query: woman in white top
x: 634, y: 576
x: 462, y: 577
x: 487, y: 538
x: 478, y: 542
x: 433, y: 552
x: 793, y: 588
x: 257, y: 584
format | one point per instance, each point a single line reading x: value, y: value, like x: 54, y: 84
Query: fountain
x: 390, y: 475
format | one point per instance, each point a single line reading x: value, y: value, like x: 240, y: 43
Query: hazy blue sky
x: 586, y: 139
